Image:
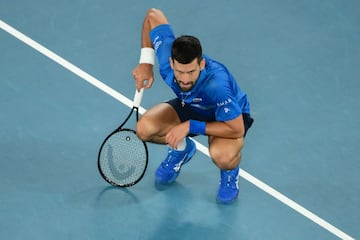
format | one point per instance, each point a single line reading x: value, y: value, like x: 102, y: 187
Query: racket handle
x: 137, y: 98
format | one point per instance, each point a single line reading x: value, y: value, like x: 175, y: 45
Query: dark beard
x: 187, y: 89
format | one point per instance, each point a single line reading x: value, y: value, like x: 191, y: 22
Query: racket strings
x: 123, y: 158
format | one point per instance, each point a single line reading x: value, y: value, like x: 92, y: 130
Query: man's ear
x: 171, y: 63
x: 202, y: 63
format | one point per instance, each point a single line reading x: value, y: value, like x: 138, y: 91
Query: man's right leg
x: 153, y: 127
x: 156, y: 122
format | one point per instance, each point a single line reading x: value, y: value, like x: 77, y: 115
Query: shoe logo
x: 178, y: 165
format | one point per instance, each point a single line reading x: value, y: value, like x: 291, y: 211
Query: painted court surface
x: 65, y: 83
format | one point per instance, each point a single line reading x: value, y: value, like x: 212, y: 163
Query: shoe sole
x: 227, y: 201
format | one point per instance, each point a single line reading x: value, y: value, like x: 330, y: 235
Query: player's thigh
x: 160, y: 118
x: 225, y: 149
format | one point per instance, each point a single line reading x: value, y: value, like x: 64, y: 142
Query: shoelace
x: 226, y: 178
x: 168, y: 159
x: 167, y: 163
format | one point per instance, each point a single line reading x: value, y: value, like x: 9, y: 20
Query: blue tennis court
x: 66, y: 83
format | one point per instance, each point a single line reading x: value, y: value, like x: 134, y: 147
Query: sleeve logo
x: 223, y: 103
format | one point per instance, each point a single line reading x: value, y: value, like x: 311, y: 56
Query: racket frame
x: 136, y: 104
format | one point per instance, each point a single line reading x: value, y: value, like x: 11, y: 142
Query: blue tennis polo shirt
x: 215, y: 94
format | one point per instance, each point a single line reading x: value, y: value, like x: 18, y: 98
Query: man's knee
x: 224, y: 159
x: 144, y: 129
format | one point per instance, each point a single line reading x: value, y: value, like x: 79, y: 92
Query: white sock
x: 182, y: 145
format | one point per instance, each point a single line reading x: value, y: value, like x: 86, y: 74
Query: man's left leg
x: 226, y: 154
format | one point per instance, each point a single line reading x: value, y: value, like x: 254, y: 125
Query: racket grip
x: 137, y: 98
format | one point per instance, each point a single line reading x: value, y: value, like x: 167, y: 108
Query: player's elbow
x: 155, y: 17
x: 153, y: 14
x: 241, y: 133
x: 237, y: 127
x: 152, y: 11
x: 237, y: 133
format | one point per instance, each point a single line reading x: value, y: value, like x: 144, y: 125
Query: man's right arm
x: 154, y: 17
x: 144, y: 70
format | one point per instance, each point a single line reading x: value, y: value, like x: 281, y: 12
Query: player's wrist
x: 147, y: 55
x: 197, y: 127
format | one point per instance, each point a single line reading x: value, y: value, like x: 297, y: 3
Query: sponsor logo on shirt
x: 157, y: 43
x: 223, y: 103
x: 226, y: 110
x: 197, y: 100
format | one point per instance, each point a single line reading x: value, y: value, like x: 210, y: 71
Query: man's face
x: 186, y: 75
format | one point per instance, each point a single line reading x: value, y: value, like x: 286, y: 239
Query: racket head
x: 123, y: 158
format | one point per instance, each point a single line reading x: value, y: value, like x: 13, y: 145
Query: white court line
x: 263, y: 186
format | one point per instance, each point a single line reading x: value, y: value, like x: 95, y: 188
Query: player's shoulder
x: 217, y: 73
x: 215, y: 68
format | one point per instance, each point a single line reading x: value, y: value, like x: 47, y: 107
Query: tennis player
x: 209, y: 102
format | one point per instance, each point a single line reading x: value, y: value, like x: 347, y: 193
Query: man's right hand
x: 143, y: 75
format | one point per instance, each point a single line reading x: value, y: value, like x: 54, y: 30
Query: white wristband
x: 147, y: 55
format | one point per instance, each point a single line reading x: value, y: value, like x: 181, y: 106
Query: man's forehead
x: 188, y: 66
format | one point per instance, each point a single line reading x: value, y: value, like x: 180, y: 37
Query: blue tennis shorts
x: 186, y: 113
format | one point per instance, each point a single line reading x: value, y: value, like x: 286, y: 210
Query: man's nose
x: 186, y: 78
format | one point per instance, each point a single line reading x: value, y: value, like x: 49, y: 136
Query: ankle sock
x: 182, y: 145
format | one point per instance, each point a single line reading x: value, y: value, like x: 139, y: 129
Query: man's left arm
x: 228, y: 129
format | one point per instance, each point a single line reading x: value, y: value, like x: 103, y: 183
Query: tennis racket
x: 123, y: 157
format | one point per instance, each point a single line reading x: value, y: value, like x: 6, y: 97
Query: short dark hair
x: 185, y: 49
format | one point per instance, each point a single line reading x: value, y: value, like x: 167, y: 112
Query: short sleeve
x: 162, y: 38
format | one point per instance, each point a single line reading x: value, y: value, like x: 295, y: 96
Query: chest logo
x: 197, y: 100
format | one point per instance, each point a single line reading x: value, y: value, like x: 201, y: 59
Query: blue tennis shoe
x: 229, y: 188
x: 169, y: 169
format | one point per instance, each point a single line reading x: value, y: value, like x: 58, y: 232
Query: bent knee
x: 224, y: 159
x: 143, y: 130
